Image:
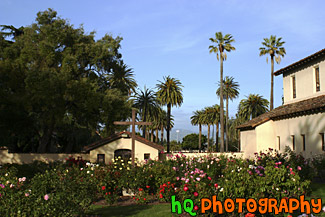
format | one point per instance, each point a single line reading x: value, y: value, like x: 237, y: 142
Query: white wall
x: 123, y: 143
x: 248, y: 142
x: 305, y: 82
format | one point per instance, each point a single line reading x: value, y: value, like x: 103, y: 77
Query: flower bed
x: 69, y: 189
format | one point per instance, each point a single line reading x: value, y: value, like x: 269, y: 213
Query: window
x: 293, y: 142
x: 146, y: 156
x: 303, y: 142
x: 100, y: 158
x: 323, y: 141
x: 279, y: 144
x: 293, y: 87
x: 125, y: 154
x: 317, y: 79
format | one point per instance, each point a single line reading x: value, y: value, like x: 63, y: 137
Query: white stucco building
x: 300, y: 122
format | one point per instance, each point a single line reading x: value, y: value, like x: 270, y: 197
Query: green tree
x: 223, y: 44
x: 230, y: 91
x: 274, y: 47
x: 121, y: 77
x: 190, y: 141
x: 147, y: 104
x: 197, y: 119
x: 54, y: 87
x: 169, y: 93
x: 252, y: 107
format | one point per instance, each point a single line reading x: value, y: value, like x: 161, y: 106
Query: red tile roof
x: 301, y: 62
x: 305, y: 107
x: 119, y: 135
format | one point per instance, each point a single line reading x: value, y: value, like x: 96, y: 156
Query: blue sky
x: 171, y: 37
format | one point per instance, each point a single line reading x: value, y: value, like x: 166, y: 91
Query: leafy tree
x: 55, y: 92
x: 147, y: 104
x: 230, y: 91
x: 274, y: 47
x: 197, y: 119
x: 190, y: 141
x: 170, y: 94
x: 223, y: 44
x: 253, y: 106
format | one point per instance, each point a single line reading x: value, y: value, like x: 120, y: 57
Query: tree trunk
x: 144, y: 126
x: 152, y: 135
x: 217, y: 137
x: 157, y: 135
x: 222, y: 127
x: 208, y: 137
x: 272, y: 82
x: 168, y: 125
x: 162, y: 134
x: 227, y: 123
x: 200, y: 135
x: 46, y: 139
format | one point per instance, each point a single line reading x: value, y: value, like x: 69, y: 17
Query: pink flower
x: 196, y: 194
x: 196, y: 207
x: 174, y: 168
x: 198, y: 179
x: 177, y: 178
x: 209, y: 178
x: 23, y: 179
x: 46, y: 197
x: 26, y: 194
x: 2, y: 185
x: 299, y: 168
x: 216, y: 185
x: 11, y: 185
x: 185, y: 188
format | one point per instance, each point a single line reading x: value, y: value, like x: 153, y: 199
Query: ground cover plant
x: 70, y: 188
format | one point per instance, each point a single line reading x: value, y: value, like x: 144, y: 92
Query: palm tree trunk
x: 227, y: 123
x: 200, y: 134
x: 152, y: 135
x: 222, y: 128
x: 144, y: 126
x: 162, y: 134
x: 208, y: 136
x: 168, y: 125
x: 217, y: 136
x: 272, y: 82
x: 156, y: 135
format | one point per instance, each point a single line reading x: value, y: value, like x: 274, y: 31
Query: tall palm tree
x: 223, y: 44
x: 169, y: 93
x: 121, y: 77
x: 273, y: 46
x: 147, y: 104
x: 252, y: 107
x: 230, y: 91
x: 197, y: 119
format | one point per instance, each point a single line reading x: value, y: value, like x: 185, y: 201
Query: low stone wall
x: 22, y: 158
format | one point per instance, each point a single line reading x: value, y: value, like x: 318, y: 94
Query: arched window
x: 123, y: 153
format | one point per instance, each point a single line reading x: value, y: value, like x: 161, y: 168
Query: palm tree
x: 208, y: 119
x: 230, y: 91
x: 216, y: 116
x: 147, y: 104
x: 252, y: 107
x: 223, y: 44
x: 170, y: 94
x: 273, y: 47
x: 197, y: 119
x: 121, y: 77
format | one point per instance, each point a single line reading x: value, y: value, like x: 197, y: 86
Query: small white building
x: 120, y: 144
x: 300, y: 122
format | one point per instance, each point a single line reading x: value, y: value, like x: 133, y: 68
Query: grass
x: 161, y: 210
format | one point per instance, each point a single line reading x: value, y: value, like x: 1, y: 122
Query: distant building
x: 300, y: 122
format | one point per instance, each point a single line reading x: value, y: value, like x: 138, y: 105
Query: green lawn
x: 161, y: 210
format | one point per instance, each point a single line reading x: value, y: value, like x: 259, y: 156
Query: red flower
x: 216, y: 185
x: 140, y: 189
x: 106, y: 193
x: 148, y: 186
x: 144, y: 198
x: 196, y: 207
x: 209, y: 178
x: 250, y: 215
x: 196, y: 194
x: 103, y: 188
x: 168, y: 183
x: 160, y: 195
x: 185, y: 188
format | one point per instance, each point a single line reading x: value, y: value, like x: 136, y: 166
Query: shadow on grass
x: 132, y: 210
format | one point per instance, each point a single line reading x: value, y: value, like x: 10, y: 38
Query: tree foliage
x: 55, y: 90
x: 191, y: 141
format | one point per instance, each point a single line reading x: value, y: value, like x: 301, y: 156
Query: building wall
x: 24, y: 158
x: 123, y: 143
x: 305, y: 82
x: 267, y: 135
x: 248, y: 142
